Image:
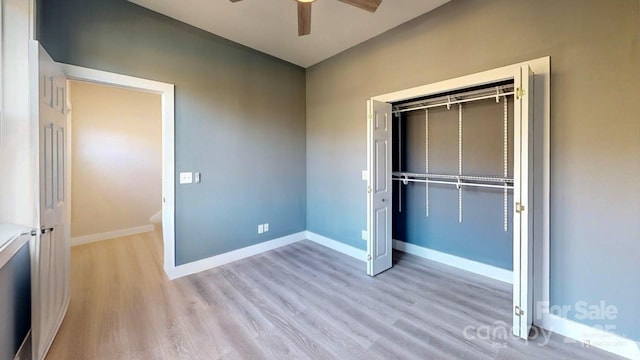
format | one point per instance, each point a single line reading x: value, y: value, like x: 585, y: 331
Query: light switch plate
x: 260, y: 228
x: 197, y: 178
x: 266, y: 227
x: 365, y: 175
x: 365, y: 235
x: 186, y: 178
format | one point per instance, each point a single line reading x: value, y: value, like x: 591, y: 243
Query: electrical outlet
x: 266, y: 227
x: 186, y: 178
x: 365, y: 235
x: 260, y: 228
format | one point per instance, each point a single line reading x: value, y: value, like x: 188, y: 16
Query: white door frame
x: 541, y: 158
x: 167, y: 91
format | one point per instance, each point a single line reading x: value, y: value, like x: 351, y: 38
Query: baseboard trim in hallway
x: 87, y: 239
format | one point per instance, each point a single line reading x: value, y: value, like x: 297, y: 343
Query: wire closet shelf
x: 493, y: 92
x: 498, y: 92
x: 457, y: 180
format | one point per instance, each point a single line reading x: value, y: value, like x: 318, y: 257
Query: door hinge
x: 520, y: 93
x: 369, y: 189
x: 369, y: 116
x: 368, y: 257
x: 520, y: 208
x: 518, y: 311
x: 43, y: 230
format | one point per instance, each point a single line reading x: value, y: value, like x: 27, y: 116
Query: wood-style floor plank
x: 302, y: 301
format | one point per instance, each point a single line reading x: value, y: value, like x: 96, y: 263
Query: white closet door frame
x: 523, y: 203
x: 539, y: 158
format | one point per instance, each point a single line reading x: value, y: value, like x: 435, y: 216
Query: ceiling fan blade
x: 304, y: 18
x: 369, y: 5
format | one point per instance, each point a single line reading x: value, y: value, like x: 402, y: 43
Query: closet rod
x: 449, y: 103
x: 454, y: 183
x: 404, y: 175
x: 494, y: 91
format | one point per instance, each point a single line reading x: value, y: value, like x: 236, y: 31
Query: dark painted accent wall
x: 480, y: 236
x: 15, y: 303
x: 240, y: 117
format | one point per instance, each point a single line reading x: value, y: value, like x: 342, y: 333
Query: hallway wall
x: 116, y: 158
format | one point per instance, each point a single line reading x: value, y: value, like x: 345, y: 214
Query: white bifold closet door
x: 379, y: 196
x: 523, y: 209
x: 50, y: 267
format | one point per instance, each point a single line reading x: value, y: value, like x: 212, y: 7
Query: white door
x: 51, y: 250
x: 523, y: 209
x: 379, y: 244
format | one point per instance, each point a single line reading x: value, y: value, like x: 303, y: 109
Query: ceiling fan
x: 304, y: 11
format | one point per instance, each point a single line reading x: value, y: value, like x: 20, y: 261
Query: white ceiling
x: 271, y: 26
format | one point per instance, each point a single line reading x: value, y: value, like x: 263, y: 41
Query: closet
x: 453, y: 173
x: 450, y: 169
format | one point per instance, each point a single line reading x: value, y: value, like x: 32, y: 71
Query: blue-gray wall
x: 240, y: 117
x: 481, y: 236
x: 595, y: 141
x: 15, y: 303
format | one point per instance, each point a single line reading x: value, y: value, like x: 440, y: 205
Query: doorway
x: 527, y: 177
x: 50, y: 250
x: 115, y: 161
x: 166, y: 91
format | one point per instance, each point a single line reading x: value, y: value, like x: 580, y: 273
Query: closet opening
x: 450, y: 177
x: 453, y: 174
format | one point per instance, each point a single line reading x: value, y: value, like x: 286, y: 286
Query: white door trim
x: 33, y: 25
x: 167, y: 91
x: 541, y: 177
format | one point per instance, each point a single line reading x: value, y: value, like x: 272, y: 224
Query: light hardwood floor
x: 302, y: 301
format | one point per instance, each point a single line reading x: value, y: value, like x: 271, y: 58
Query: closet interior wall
x: 482, y: 235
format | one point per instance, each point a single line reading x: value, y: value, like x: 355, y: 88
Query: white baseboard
x: 231, y: 256
x: 337, y: 246
x: 447, y: 259
x: 86, y: 239
x: 156, y: 218
x: 489, y: 271
x: 591, y: 336
x: 24, y: 352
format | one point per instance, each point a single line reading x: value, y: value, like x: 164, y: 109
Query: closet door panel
x: 379, y: 199
x: 381, y: 231
x: 382, y: 148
